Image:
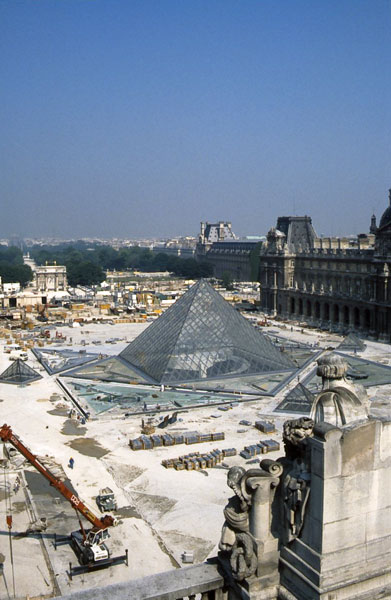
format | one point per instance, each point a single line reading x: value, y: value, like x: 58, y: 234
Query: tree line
x: 86, y: 263
x: 12, y: 268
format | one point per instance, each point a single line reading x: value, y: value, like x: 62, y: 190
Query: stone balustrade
x: 202, y: 581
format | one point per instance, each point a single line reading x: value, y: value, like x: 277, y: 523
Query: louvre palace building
x: 340, y: 284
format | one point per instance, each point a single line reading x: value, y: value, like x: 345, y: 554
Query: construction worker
x: 71, y: 463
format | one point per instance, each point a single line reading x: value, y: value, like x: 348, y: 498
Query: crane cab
x: 97, y: 537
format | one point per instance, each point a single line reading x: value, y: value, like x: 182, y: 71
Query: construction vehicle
x: 106, y: 500
x: 88, y: 544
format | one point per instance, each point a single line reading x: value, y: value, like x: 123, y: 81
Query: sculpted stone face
x: 296, y: 430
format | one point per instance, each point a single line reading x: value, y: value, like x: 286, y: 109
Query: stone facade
x: 344, y: 549
x: 338, y: 284
x: 51, y: 278
x: 233, y: 257
x: 220, y: 247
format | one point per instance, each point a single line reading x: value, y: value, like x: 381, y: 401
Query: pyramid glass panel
x: 365, y: 372
x: 298, y: 400
x: 137, y: 399
x: 202, y: 337
x: 56, y: 361
x: 19, y: 372
x: 267, y: 384
x: 352, y: 343
x: 111, y: 369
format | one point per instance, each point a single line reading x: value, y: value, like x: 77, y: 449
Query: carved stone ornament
x: 247, y: 516
x: 297, y: 479
x: 340, y: 402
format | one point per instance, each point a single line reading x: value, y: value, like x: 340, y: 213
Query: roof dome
x: 386, y: 217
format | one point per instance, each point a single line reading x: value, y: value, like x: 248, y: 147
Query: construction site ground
x: 162, y: 512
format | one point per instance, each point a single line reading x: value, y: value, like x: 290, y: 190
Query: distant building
x: 339, y: 284
x: 237, y: 257
x: 221, y: 248
x: 11, y: 288
x: 213, y: 232
x: 51, y: 278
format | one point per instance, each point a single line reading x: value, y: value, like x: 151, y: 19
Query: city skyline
x: 141, y: 119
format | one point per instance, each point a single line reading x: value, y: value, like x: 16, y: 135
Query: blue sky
x: 142, y: 118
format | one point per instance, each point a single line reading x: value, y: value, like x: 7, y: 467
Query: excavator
x: 88, y: 544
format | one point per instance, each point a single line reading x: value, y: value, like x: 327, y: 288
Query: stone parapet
x: 344, y: 551
x: 204, y: 579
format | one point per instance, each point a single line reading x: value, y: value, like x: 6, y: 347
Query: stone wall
x: 344, y: 551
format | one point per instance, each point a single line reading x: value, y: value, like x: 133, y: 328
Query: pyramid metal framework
x: 352, y: 343
x: 299, y: 400
x: 19, y: 372
x: 201, y: 337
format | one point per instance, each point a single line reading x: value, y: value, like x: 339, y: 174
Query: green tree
x: 85, y: 273
x: 227, y: 281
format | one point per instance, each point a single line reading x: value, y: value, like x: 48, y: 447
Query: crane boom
x: 7, y: 435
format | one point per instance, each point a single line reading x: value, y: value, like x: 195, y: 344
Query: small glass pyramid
x: 352, y: 343
x: 201, y: 337
x: 299, y: 400
x: 19, y: 372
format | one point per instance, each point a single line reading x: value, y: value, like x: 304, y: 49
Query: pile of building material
x: 148, y: 442
x: 196, y: 461
x: 265, y: 426
x: 259, y: 448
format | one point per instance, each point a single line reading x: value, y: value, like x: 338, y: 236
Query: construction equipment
x: 106, y: 500
x: 88, y: 544
x: 42, y: 313
x: 148, y: 427
x: 168, y: 420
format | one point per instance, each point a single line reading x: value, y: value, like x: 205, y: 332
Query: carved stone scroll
x: 246, y: 533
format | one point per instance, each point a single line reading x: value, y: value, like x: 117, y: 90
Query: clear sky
x: 134, y: 118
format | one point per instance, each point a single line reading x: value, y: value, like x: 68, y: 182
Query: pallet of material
x: 272, y: 445
x: 265, y: 426
x: 229, y: 452
x: 191, y: 439
x: 156, y: 441
x: 205, y: 437
x: 260, y: 448
x: 148, y: 442
x: 136, y: 444
x: 194, y: 461
x: 168, y: 440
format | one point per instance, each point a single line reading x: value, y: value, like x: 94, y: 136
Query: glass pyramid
x: 19, y: 372
x: 298, y: 400
x: 352, y: 343
x: 201, y: 337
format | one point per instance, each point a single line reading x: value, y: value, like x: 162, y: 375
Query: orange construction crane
x: 88, y: 544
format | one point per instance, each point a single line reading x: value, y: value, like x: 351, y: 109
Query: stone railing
x: 203, y: 581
